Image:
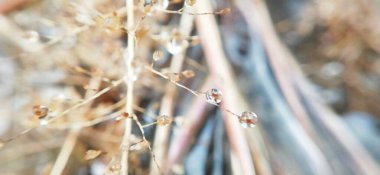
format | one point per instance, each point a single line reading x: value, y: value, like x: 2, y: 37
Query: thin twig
x: 71, y: 139
x: 84, y: 102
x: 141, y: 128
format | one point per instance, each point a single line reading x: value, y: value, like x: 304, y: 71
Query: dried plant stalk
x: 213, y: 49
x: 71, y: 138
x: 128, y: 55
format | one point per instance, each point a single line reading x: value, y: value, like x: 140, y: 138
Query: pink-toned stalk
x: 222, y: 74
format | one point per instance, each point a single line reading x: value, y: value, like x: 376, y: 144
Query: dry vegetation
x: 167, y: 87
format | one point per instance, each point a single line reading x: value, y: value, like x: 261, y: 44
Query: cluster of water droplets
x: 247, y: 119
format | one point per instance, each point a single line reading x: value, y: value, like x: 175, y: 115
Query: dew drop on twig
x: 164, y: 120
x: 176, y: 43
x: 214, y: 96
x: 43, y: 113
x: 248, y: 119
x: 40, y: 111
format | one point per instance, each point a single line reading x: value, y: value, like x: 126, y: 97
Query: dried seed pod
x: 164, y: 120
x: 125, y: 114
x: 188, y: 73
x: 190, y: 3
x: 92, y: 154
x: 214, y: 96
x: 40, y: 111
x: 248, y: 119
x: 43, y: 113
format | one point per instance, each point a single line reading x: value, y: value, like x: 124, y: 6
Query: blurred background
x: 309, y: 69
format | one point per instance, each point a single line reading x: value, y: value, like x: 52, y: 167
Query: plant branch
x: 128, y: 55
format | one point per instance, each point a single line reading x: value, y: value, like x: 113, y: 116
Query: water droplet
x: 248, y: 119
x: 40, y: 111
x: 177, y: 43
x: 164, y: 120
x: 32, y: 36
x: 190, y: 3
x: 214, y: 96
x: 157, y: 55
x: 92, y: 154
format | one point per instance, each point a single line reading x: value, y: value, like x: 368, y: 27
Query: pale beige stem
x: 128, y: 55
x: 65, y: 152
x: 71, y: 139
